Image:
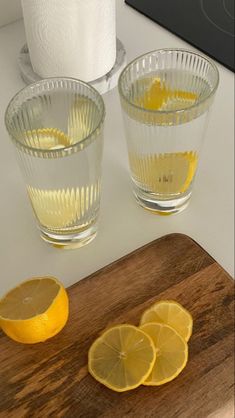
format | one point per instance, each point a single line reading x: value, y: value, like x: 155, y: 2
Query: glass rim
x: 175, y: 111
x: 68, y: 148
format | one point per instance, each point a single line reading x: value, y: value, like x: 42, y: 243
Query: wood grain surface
x: 51, y: 379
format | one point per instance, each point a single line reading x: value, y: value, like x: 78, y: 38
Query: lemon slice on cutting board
x: 171, y: 353
x: 171, y: 313
x: 122, y: 358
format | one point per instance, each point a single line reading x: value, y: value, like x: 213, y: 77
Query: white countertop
x: 123, y: 225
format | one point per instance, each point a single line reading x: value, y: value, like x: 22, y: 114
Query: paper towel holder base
x: 102, y: 84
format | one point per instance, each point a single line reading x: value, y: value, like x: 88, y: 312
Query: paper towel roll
x: 73, y: 38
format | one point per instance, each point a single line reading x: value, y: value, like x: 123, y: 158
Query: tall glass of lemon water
x: 166, y: 96
x: 56, y: 126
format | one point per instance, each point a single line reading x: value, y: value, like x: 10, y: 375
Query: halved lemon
x: 171, y: 353
x: 35, y: 310
x: 171, y: 313
x: 122, y: 358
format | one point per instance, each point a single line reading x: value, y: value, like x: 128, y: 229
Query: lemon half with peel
x: 171, y: 353
x: 35, y: 310
x: 171, y: 313
x: 122, y: 358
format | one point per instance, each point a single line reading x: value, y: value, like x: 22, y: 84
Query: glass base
x: 69, y: 241
x: 159, y: 206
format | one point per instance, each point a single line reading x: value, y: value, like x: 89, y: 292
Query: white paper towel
x: 73, y: 38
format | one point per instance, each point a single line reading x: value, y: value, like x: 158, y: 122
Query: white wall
x: 10, y: 10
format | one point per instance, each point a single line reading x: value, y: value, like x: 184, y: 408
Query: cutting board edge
x: 128, y: 255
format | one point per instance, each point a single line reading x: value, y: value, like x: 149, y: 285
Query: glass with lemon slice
x: 166, y: 96
x: 57, y: 127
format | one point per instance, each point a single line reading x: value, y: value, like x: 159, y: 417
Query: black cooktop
x: 206, y: 24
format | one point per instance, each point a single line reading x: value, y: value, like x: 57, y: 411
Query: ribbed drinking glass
x: 166, y: 96
x: 57, y: 128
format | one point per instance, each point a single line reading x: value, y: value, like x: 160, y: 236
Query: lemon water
x: 164, y: 144
x: 64, y: 187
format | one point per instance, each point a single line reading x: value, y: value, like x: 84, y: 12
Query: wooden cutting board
x: 51, y: 379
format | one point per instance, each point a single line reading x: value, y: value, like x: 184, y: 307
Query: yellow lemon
x: 46, y: 139
x: 171, y: 313
x: 168, y: 173
x: 171, y: 353
x: 35, y: 310
x: 159, y: 97
x: 122, y: 358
